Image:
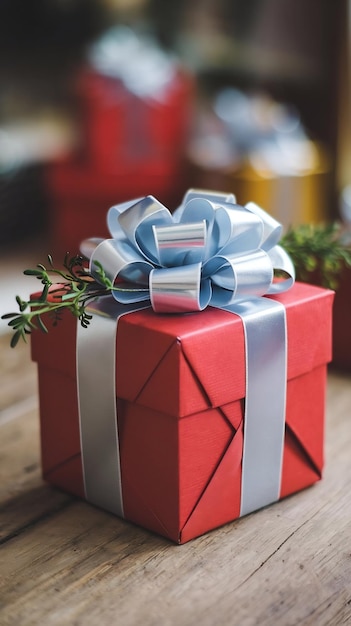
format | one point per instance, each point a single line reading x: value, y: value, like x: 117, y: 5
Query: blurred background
x: 107, y: 100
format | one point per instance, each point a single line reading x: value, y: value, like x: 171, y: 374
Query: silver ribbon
x: 96, y: 384
x: 264, y: 325
x: 215, y: 252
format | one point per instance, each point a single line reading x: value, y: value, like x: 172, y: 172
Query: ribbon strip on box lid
x: 211, y: 251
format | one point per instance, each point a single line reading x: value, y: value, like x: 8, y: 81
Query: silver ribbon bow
x: 212, y: 251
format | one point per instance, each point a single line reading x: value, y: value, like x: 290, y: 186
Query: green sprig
x: 318, y: 253
x: 76, y: 288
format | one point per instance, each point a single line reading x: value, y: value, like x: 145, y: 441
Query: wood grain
x: 64, y: 562
x: 18, y: 377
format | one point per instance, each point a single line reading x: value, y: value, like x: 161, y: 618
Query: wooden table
x: 63, y: 561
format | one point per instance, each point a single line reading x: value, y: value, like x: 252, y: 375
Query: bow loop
x: 239, y: 229
x: 137, y: 223
x: 272, y: 230
x: 180, y: 244
x: 212, y: 251
x: 179, y: 289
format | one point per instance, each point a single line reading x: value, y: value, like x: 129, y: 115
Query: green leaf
x: 22, y: 304
x: 15, y: 322
x: 45, y: 292
x: 15, y: 339
x: 33, y: 272
x: 41, y: 324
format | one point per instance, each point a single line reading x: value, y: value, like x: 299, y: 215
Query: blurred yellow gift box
x: 259, y: 150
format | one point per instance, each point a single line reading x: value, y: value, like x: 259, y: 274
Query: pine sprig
x: 317, y: 251
x: 76, y: 287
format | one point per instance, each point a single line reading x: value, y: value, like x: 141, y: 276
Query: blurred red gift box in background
x: 133, y: 107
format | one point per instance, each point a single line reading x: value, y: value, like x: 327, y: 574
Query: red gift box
x: 341, y: 322
x: 128, y: 146
x: 122, y: 131
x: 181, y: 387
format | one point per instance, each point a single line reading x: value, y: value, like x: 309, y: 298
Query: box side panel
x: 59, y: 431
x: 304, y: 438
x: 149, y: 463
x: 56, y: 349
x: 210, y: 453
x: 203, y: 441
x: 219, y: 502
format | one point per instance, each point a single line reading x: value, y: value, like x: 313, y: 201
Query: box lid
x: 182, y: 364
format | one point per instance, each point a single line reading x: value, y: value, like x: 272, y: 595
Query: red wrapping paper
x: 181, y: 388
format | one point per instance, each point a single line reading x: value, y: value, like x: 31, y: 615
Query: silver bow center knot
x: 211, y: 251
